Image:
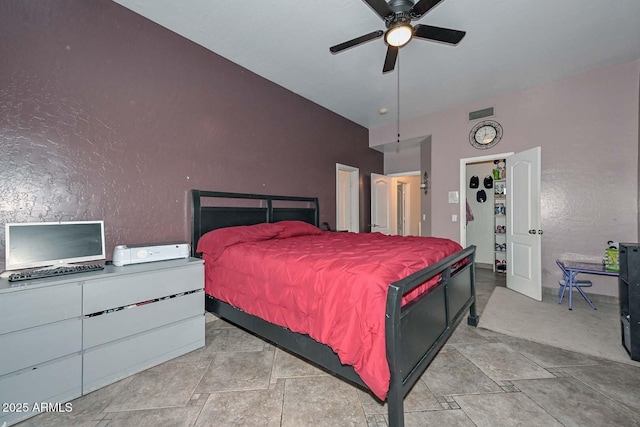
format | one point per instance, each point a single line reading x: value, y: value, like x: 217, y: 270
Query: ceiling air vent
x: 481, y: 114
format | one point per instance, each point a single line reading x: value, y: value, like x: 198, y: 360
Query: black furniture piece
x: 414, y: 333
x: 629, y: 293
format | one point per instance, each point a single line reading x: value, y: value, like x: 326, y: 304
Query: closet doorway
x: 480, y: 230
x: 521, y: 204
x: 484, y: 222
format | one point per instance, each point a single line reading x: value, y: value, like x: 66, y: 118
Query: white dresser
x: 64, y: 337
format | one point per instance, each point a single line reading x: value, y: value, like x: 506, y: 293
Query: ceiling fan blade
x: 381, y: 7
x: 445, y: 35
x: 422, y: 7
x: 358, y: 40
x: 390, y: 59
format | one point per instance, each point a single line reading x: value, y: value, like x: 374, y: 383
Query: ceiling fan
x: 397, y: 16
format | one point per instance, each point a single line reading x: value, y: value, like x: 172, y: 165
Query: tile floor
x: 480, y: 378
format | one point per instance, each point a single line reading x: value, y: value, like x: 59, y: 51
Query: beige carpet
x: 584, y: 330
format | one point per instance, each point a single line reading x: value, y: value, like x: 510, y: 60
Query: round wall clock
x: 485, y: 134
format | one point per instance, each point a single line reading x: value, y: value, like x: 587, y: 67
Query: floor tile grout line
x: 605, y: 395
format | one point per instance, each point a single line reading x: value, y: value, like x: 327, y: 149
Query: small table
x: 571, y: 269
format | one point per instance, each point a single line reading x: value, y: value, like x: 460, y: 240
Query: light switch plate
x: 454, y: 197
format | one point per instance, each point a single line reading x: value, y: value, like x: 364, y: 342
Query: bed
x: 408, y: 311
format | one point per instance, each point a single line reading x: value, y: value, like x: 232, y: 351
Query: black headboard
x: 211, y: 210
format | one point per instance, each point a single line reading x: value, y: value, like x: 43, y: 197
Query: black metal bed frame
x: 414, y: 333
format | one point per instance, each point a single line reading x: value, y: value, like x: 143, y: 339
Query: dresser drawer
x: 119, y: 324
x: 121, y: 291
x: 107, y: 364
x: 39, y: 306
x: 59, y: 381
x: 32, y: 346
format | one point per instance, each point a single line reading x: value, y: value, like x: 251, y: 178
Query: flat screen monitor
x: 42, y: 244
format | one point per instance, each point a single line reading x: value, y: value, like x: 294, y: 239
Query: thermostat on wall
x: 454, y: 197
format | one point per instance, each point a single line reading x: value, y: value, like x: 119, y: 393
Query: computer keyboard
x: 54, y: 272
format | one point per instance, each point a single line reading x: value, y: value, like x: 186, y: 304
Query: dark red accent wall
x: 106, y: 115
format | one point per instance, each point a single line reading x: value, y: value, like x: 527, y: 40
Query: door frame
x: 407, y: 213
x: 353, y: 198
x: 463, y: 189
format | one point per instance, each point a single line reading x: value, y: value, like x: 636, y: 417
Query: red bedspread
x: 331, y: 286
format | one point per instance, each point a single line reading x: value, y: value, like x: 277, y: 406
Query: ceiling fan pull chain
x: 398, y: 79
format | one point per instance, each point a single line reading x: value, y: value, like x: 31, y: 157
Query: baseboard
x: 484, y: 266
x: 596, y: 298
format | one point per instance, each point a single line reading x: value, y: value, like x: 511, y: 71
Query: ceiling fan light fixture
x: 397, y: 16
x: 398, y: 35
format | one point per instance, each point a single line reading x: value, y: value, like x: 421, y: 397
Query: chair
x: 578, y: 284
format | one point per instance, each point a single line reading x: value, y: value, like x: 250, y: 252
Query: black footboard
x: 417, y: 331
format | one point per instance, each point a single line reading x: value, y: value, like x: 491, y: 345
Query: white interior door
x: 523, y: 223
x: 383, y: 204
x: 347, y: 198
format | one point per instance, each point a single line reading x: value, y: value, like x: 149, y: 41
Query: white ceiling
x: 510, y: 45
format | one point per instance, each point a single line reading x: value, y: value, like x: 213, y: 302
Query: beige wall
x: 587, y: 126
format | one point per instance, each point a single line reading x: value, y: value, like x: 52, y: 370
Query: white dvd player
x: 138, y: 254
